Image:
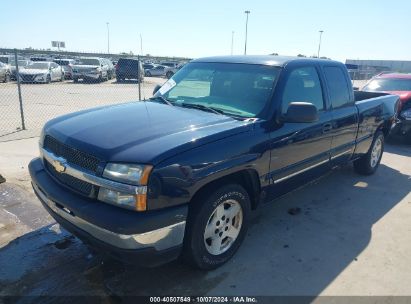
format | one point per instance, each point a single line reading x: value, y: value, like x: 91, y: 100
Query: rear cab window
x: 337, y: 85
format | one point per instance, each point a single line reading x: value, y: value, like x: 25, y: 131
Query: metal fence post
x: 23, y: 125
x: 139, y: 79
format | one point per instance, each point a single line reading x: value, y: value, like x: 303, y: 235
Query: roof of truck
x: 262, y: 59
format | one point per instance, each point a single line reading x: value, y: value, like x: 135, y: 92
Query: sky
x: 362, y: 29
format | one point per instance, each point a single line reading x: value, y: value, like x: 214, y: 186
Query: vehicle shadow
x: 398, y: 145
x: 284, y: 253
x: 126, y: 81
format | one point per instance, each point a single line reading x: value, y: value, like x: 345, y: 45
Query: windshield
x: 388, y: 84
x: 88, y: 61
x: 235, y: 89
x: 4, y: 60
x: 38, y: 65
x: 62, y: 62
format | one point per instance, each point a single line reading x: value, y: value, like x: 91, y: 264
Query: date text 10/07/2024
x: 236, y: 299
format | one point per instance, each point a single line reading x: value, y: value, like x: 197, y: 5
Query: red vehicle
x: 397, y: 84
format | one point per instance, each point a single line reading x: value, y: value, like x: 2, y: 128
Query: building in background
x: 365, y: 69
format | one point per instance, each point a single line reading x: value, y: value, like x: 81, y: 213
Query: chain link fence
x: 37, y: 92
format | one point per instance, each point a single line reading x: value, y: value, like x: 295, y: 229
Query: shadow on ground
x: 283, y: 254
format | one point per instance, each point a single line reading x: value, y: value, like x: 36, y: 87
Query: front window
x: 38, y: 65
x: 236, y: 89
x: 388, y: 84
x: 89, y: 61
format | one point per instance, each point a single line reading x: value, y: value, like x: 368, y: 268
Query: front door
x: 299, y: 147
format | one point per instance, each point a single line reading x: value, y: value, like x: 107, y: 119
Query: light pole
x: 232, y: 42
x: 246, y: 32
x: 141, y: 45
x: 319, y: 44
x: 108, y: 38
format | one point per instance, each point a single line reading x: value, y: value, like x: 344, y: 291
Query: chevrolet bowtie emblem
x: 59, y: 166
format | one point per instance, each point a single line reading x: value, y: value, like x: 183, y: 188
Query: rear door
x: 344, y: 113
x: 299, y: 147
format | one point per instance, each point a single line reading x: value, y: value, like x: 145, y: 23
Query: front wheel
x: 48, y: 79
x: 148, y: 74
x: 369, y: 163
x: 7, y: 78
x: 169, y: 74
x: 216, y: 227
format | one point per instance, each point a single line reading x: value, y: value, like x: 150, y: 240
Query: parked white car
x: 159, y: 70
x: 42, y: 71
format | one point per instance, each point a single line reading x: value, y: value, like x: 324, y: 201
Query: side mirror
x: 301, y: 112
x: 156, y: 88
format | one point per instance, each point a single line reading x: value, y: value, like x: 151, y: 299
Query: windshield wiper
x: 163, y: 100
x: 203, y: 107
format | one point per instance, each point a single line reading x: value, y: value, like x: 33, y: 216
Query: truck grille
x: 73, y: 156
x: 70, y: 181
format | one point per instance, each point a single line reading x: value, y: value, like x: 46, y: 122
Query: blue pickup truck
x: 181, y: 173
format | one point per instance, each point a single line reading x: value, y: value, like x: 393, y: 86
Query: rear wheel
x: 75, y: 79
x: 369, y: 163
x: 169, y: 74
x: 216, y: 227
x: 48, y: 79
x: 148, y: 74
x: 7, y: 77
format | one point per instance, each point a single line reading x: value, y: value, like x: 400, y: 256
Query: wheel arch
x: 247, y: 178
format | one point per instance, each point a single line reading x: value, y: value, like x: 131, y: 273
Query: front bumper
x: 40, y: 79
x: 402, y: 127
x: 86, y: 76
x: 149, y: 238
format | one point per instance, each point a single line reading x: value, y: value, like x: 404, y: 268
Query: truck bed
x: 382, y: 105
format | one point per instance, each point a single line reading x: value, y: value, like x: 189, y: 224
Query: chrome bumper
x: 86, y: 75
x: 160, y: 239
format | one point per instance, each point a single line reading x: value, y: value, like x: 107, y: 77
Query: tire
x: 48, y: 79
x: 6, y: 78
x: 169, y: 74
x: 211, y: 252
x: 368, y: 164
x: 75, y: 80
x: 148, y: 74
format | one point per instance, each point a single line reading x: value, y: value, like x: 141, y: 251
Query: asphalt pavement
x: 342, y: 234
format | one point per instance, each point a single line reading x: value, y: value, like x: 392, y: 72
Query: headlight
x: 406, y: 114
x: 134, y: 202
x: 127, y: 173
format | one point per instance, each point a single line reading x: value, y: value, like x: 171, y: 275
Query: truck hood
x: 141, y: 132
x: 85, y: 67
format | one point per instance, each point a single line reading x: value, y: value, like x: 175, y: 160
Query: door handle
x: 327, y: 127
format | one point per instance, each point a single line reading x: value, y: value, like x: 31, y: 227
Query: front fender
x: 177, y: 180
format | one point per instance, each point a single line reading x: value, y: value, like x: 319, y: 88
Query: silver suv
x: 92, y: 68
